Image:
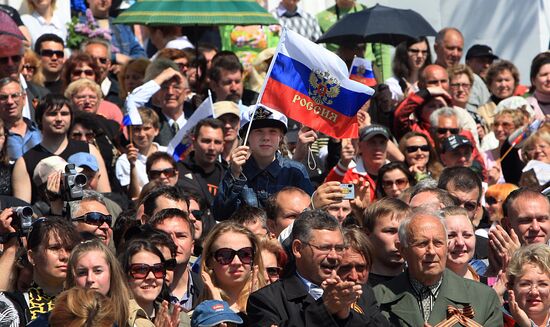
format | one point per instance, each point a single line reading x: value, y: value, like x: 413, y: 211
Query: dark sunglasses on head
x: 445, y: 130
x: 273, y: 271
x: 414, y: 148
x: 50, y: 53
x: 491, y: 200
x: 87, y: 72
x: 224, y: 256
x: 14, y: 59
x: 168, y: 172
x: 95, y: 218
x: 141, y: 270
x: 170, y: 264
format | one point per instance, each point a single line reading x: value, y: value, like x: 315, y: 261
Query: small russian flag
x: 361, y: 71
x: 180, y: 146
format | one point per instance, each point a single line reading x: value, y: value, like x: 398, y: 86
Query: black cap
x: 454, y: 142
x: 366, y: 133
x: 480, y: 50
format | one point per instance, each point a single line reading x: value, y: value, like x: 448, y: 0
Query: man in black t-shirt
x: 202, y: 170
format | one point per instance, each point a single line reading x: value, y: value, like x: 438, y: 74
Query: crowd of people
x: 437, y: 214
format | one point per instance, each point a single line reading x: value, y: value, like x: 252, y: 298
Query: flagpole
x: 281, y: 40
x: 211, y: 102
x: 130, y: 134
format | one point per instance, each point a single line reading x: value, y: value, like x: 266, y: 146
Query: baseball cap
x: 366, y: 133
x: 453, y: 142
x: 48, y: 166
x: 226, y: 107
x: 9, y: 27
x: 480, y: 50
x: 212, y: 312
x: 84, y: 159
x: 263, y: 117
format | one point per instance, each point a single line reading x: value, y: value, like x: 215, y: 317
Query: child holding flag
x: 258, y: 170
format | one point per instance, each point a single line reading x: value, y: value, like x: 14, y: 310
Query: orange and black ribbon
x: 463, y: 316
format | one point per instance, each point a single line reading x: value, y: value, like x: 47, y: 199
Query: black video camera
x: 22, y: 219
x: 73, y: 183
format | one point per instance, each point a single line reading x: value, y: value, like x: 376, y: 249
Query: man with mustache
x: 315, y: 295
x: 421, y: 295
x: 226, y: 80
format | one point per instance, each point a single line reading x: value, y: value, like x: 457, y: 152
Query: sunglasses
x: 142, y: 270
x: 95, y: 218
x: 446, y: 130
x: 399, y: 182
x: 225, y: 256
x: 344, y: 269
x: 273, y: 271
x: 168, y: 172
x: 491, y: 200
x: 51, y: 53
x: 14, y: 59
x: 170, y: 264
x: 102, y: 60
x: 78, y: 135
x: 29, y: 67
x: 87, y: 72
x: 470, y: 205
x: 197, y: 214
x: 414, y: 148
x: 417, y: 51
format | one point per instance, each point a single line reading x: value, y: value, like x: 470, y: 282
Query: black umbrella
x: 378, y: 24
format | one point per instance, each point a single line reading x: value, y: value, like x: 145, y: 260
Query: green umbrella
x: 196, y: 12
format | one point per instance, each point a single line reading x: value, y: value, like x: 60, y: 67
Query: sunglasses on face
x: 102, y: 60
x: 491, y: 200
x: 168, y: 172
x: 399, y: 182
x: 87, y: 72
x: 170, y: 264
x: 197, y: 214
x: 273, y: 271
x: 414, y: 148
x: 78, y: 135
x: 446, y: 130
x: 95, y: 218
x: 224, y: 256
x: 14, y: 59
x: 469, y: 205
x: 29, y: 67
x: 142, y: 270
x: 51, y: 53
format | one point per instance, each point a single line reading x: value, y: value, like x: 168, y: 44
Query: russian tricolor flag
x: 310, y: 84
x: 132, y: 117
x: 361, y: 71
x: 180, y: 145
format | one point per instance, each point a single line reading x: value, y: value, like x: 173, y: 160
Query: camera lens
x: 25, y: 212
x: 80, y: 180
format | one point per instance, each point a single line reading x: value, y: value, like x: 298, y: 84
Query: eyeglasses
x: 465, y: 86
x: 273, y: 271
x: 398, y: 182
x: 15, y: 96
x: 170, y: 264
x: 102, y: 60
x: 87, y: 72
x: 225, y: 256
x: 85, y: 97
x: 29, y: 67
x: 338, y: 248
x: 51, y: 53
x: 441, y: 130
x: 182, y: 66
x: 491, y: 200
x: 197, y: 214
x: 78, y: 136
x: 14, y: 59
x: 416, y: 52
x: 142, y: 270
x: 414, y: 148
x: 168, y: 172
x: 95, y: 218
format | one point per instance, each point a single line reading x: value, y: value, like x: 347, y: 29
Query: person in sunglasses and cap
x: 257, y: 169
